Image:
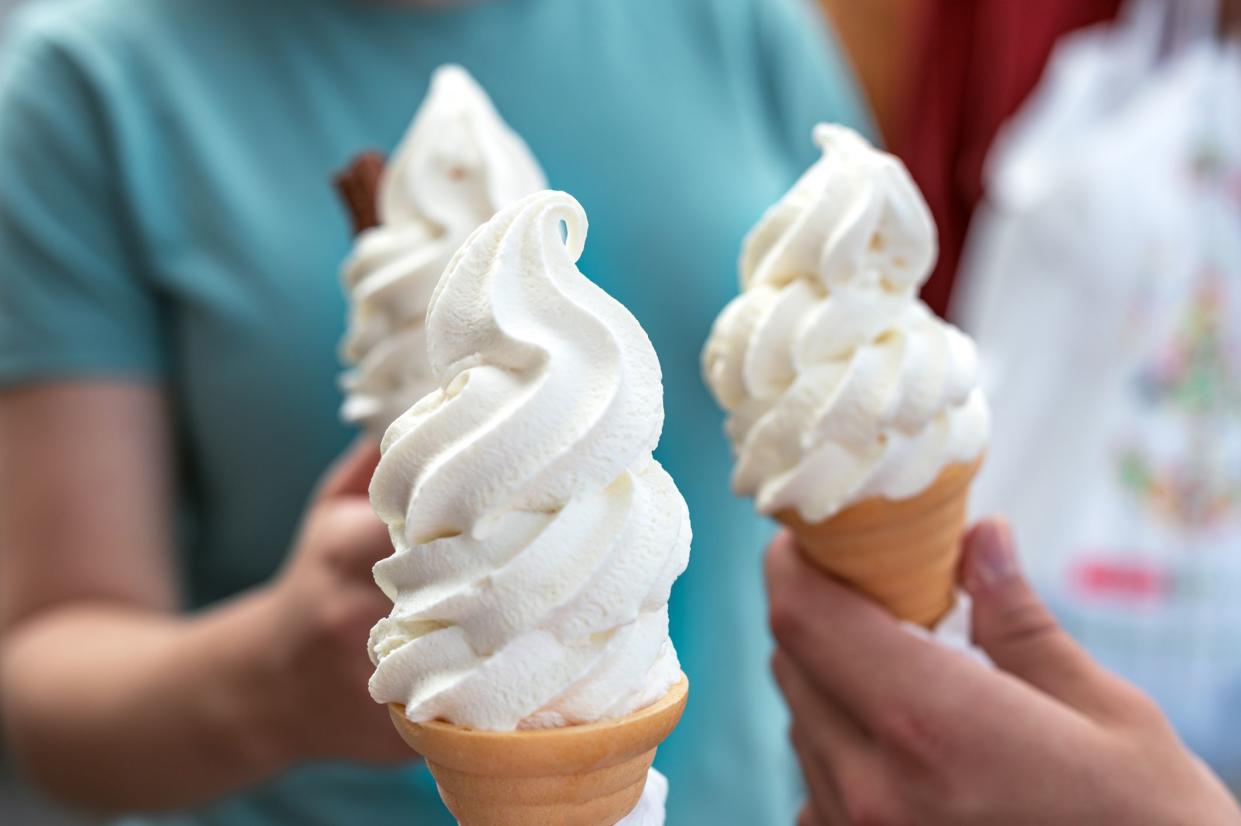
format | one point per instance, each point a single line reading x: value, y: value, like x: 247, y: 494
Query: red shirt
x: 976, y: 62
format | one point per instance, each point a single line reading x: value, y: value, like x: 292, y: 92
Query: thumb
x: 1017, y: 630
x: 350, y: 475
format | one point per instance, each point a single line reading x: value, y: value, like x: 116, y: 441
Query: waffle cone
x: 587, y: 775
x: 903, y: 553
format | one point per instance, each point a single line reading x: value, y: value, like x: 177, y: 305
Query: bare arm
x: 113, y: 700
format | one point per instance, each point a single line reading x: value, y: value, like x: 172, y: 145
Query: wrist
x: 247, y: 707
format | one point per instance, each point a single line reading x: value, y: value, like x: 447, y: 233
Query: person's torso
x: 654, y: 114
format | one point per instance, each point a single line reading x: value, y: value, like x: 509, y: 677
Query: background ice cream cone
x: 587, y: 775
x: 903, y: 553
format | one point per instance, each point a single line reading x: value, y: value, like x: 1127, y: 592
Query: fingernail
x: 990, y: 556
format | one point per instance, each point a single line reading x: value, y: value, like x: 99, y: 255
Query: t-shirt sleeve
x: 809, y: 79
x: 73, y: 298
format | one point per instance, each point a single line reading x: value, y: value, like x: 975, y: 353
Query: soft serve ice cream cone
x: 854, y: 412
x: 527, y: 654
x: 458, y: 164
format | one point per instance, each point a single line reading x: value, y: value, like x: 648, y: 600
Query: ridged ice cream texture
x: 457, y: 165
x: 536, y: 538
x: 839, y: 383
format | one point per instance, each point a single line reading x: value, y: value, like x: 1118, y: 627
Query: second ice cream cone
x: 587, y: 775
x: 903, y: 553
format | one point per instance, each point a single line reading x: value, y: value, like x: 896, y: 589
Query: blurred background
x: 963, y: 92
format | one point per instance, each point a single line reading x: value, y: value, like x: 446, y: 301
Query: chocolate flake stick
x: 358, y: 186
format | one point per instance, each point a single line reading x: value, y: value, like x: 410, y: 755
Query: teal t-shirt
x: 166, y: 215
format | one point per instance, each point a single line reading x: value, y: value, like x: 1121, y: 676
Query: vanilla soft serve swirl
x: 458, y: 164
x: 839, y: 383
x: 536, y: 539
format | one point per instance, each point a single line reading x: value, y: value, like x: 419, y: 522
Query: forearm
x: 115, y: 709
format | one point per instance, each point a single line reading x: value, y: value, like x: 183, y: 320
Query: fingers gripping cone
x: 586, y: 775
x: 903, y: 553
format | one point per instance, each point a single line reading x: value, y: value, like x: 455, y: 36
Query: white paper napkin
x: 650, y: 809
x: 953, y: 631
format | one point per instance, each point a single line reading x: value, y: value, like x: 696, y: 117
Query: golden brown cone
x: 587, y: 775
x: 903, y: 553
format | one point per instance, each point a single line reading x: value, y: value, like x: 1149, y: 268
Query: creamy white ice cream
x: 840, y: 385
x: 536, y: 539
x: 458, y: 164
